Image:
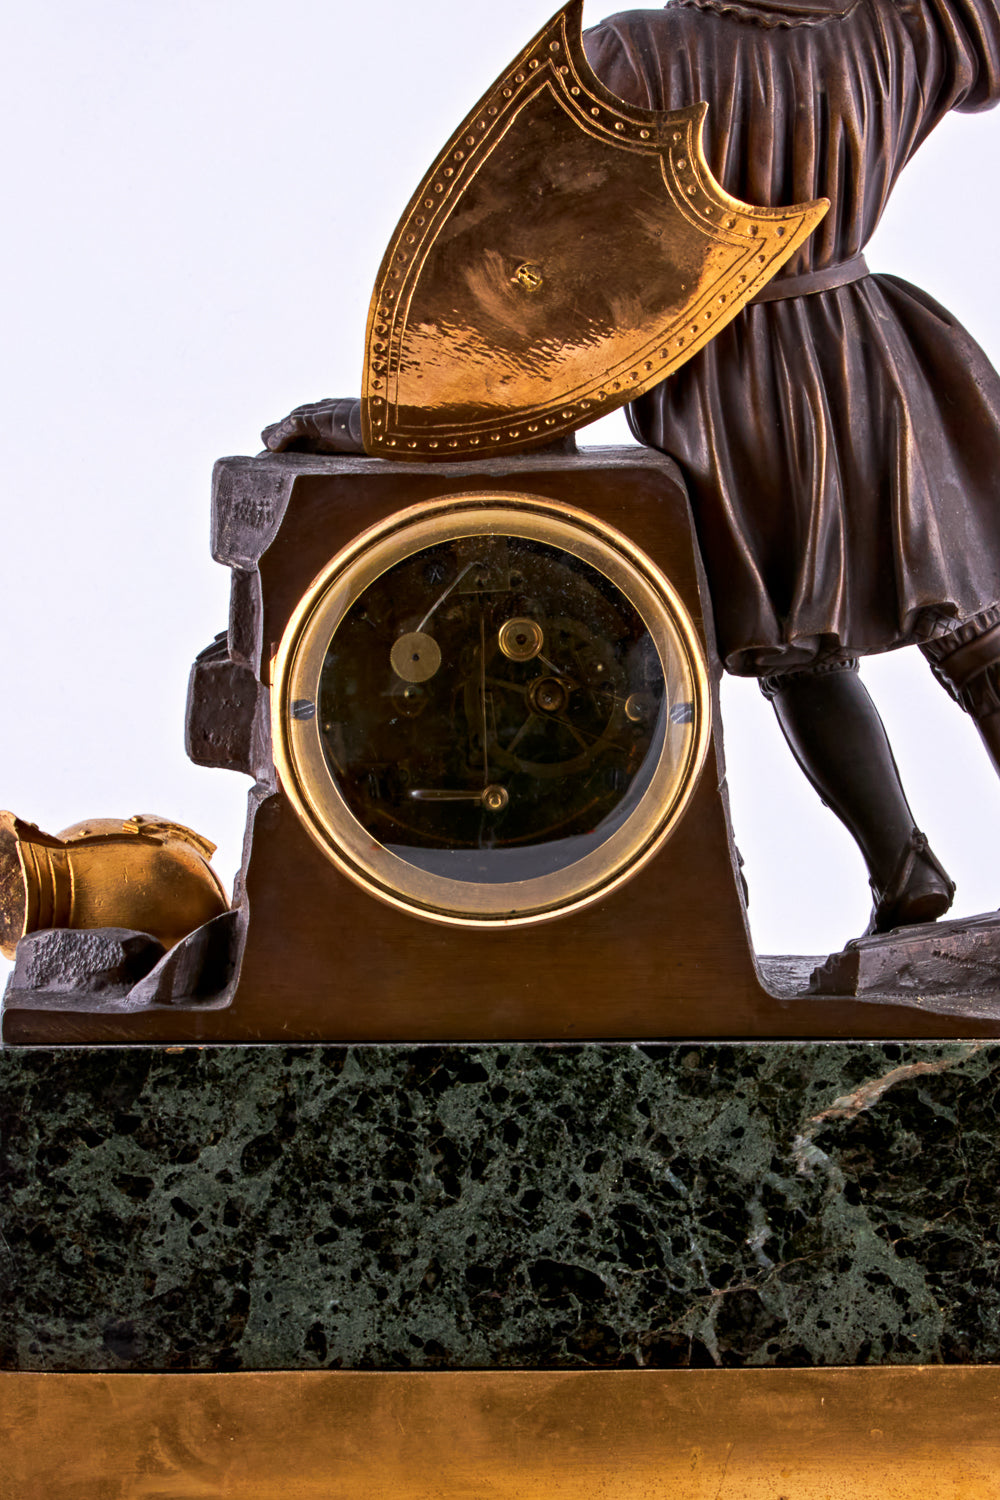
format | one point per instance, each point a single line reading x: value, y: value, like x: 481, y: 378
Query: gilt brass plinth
x: 900, y: 1434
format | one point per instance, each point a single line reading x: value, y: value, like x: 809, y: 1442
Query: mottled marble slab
x: 530, y: 1206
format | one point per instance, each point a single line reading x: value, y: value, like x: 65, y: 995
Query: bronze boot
x: 835, y: 733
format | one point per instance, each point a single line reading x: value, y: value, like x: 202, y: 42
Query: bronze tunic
x: 842, y: 449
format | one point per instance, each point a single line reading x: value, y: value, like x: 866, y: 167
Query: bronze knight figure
x: 840, y: 438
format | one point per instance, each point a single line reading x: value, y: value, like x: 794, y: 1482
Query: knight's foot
x: 329, y: 426
x: 920, y: 889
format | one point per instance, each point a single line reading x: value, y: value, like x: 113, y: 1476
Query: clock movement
x: 490, y: 709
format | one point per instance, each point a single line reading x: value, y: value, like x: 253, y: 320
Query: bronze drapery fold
x: 841, y: 447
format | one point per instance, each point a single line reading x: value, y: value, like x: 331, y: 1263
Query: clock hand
x: 580, y: 735
x: 482, y: 696
x: 492, y: 797
x: 523, y: 688
x: 529, y: 721
x: 453, y: 585
x: 520, y: 688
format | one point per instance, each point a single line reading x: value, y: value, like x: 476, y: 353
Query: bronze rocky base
x: 944, y: 965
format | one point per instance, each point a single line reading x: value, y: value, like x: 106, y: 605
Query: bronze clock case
x: 662, y: 952
x: 642, y: 958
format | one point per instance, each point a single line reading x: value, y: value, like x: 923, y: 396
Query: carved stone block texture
x: 105, y: 961
x: 936, y: 959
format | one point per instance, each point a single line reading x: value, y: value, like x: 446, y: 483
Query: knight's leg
x: 967, y: 664
x: 835, y: 733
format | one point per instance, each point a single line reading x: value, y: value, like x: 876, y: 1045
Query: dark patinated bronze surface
x: 841, y: 447
x: 841, y: 439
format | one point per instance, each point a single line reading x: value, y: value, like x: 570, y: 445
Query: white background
x: 198, y: 194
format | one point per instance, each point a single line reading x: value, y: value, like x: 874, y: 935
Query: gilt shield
x: 565, y: 253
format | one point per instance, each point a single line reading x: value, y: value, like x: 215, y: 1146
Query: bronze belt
x: 824, y: 280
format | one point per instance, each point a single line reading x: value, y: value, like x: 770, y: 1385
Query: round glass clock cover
x: 490, y: 709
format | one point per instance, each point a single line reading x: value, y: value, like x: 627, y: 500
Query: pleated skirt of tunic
x: 842, y: 453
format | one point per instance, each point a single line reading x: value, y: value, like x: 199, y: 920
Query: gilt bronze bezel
x: 301, y: 761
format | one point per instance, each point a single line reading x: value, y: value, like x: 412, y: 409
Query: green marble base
x: 530, y: 1206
